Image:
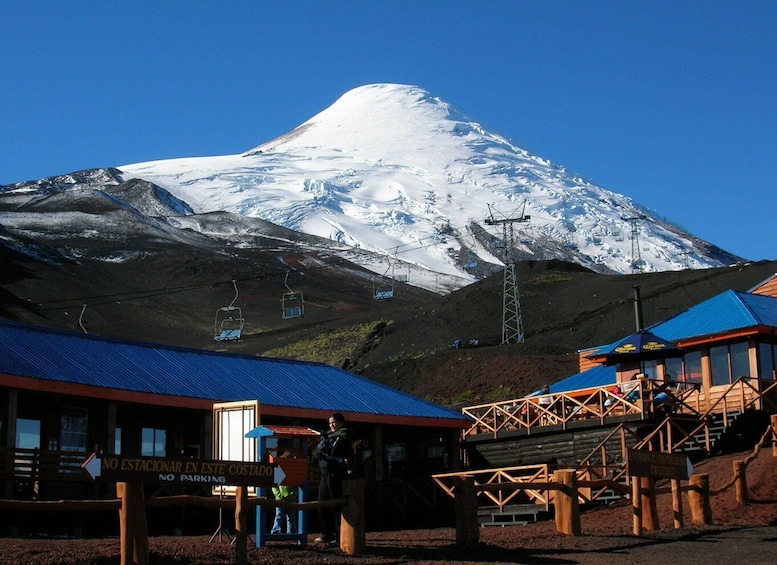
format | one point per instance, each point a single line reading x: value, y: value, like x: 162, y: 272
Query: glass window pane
x: 740, y: 360
x: 649, y: 369
x: 160, y: 443
x: 73, y: 426
x: 27, y: 434
x: 117, y: 442
x: 692, y: 367
x: 766, y: 360
x: 719, y: 365
x: 147, y: 442
x: 674, y: 369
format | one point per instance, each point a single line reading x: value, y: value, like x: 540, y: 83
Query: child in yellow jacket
x: 285, y: 520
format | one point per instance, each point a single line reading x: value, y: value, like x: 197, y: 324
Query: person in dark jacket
x: 333, y: 452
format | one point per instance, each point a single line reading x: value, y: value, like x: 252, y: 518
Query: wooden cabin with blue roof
x: 64, y: 395
x: 701, y: 384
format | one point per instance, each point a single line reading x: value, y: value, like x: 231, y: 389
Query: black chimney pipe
x: 638, y: 309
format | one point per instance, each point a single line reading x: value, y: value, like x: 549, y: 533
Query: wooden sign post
x: 121, y: 468
x: 130, y: 473
x: 644, y: 467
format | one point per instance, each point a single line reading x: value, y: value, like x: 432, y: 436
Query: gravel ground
x: 740, y: 533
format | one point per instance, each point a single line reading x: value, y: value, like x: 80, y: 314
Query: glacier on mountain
x: 392, y: 169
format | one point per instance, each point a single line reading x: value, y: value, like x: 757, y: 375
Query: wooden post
x: 677, y: 505
x: 774, y: 435
x: 699, y: 499
x: 740, y: 478
x: 352, y: 518
x: 126, y: 533
x: 636, y: 503
x: 649, y: 508
x: 241, y: 525
x: 132, y: 522
x: 466, y: 505
x: 566, y: 502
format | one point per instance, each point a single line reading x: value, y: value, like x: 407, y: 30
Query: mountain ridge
x: 392, y: 168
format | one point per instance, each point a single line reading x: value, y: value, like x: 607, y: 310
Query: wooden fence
x: 567, y: 487
x: 132, y: 503
x: 564, y: 483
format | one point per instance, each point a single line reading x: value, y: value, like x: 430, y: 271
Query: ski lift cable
x: 102, y: 299
x: 152, y: 293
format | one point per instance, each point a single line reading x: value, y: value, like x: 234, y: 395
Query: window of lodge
x: 153, y: 443
x: 27, y: 433
x: 766, y: 360
x: 73, y: 426
x: 729, y: 362
x: 650, y: 369
x: 686, y: 368
x: 740, y: 360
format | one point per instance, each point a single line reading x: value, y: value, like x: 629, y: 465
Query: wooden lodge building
x: 704, y: 381
x: 65, y: 395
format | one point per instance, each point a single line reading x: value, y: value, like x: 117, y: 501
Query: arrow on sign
x: 278, y: 475
x: 295, y: 471
x: 92, y: 466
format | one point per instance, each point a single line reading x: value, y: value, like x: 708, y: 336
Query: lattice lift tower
x: 512, y: 321
x: 636, y: 255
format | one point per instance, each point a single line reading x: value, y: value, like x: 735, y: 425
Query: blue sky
x: 671, y: 103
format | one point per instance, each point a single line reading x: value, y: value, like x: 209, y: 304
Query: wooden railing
x: 36, y: 464
x: 603, y: 471
x: 598, y: 404
x: 501, y: 498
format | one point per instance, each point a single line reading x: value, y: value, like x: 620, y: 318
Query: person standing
x: 285, y: 520
x: 333, y: 452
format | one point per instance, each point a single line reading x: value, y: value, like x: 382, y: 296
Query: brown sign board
x: 295, y: 471
x: 120, y: 468
x: 658, y: 465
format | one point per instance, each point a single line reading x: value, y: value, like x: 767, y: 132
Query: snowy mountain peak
x: 393, y: 169
x: 369, y: 120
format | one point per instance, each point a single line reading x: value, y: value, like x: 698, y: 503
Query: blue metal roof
x: 729, y: 311
x: 600, y: 375
x: 69, y: 357
x: 732, y: 310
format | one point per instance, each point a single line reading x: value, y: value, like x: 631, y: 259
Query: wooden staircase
x: 511, y: 515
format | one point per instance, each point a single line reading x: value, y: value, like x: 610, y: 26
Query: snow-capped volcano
x: 392, y: 169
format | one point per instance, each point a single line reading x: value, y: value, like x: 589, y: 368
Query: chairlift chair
x: 292, y: 303
x: 229, y: 321
x: 383, y: 286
